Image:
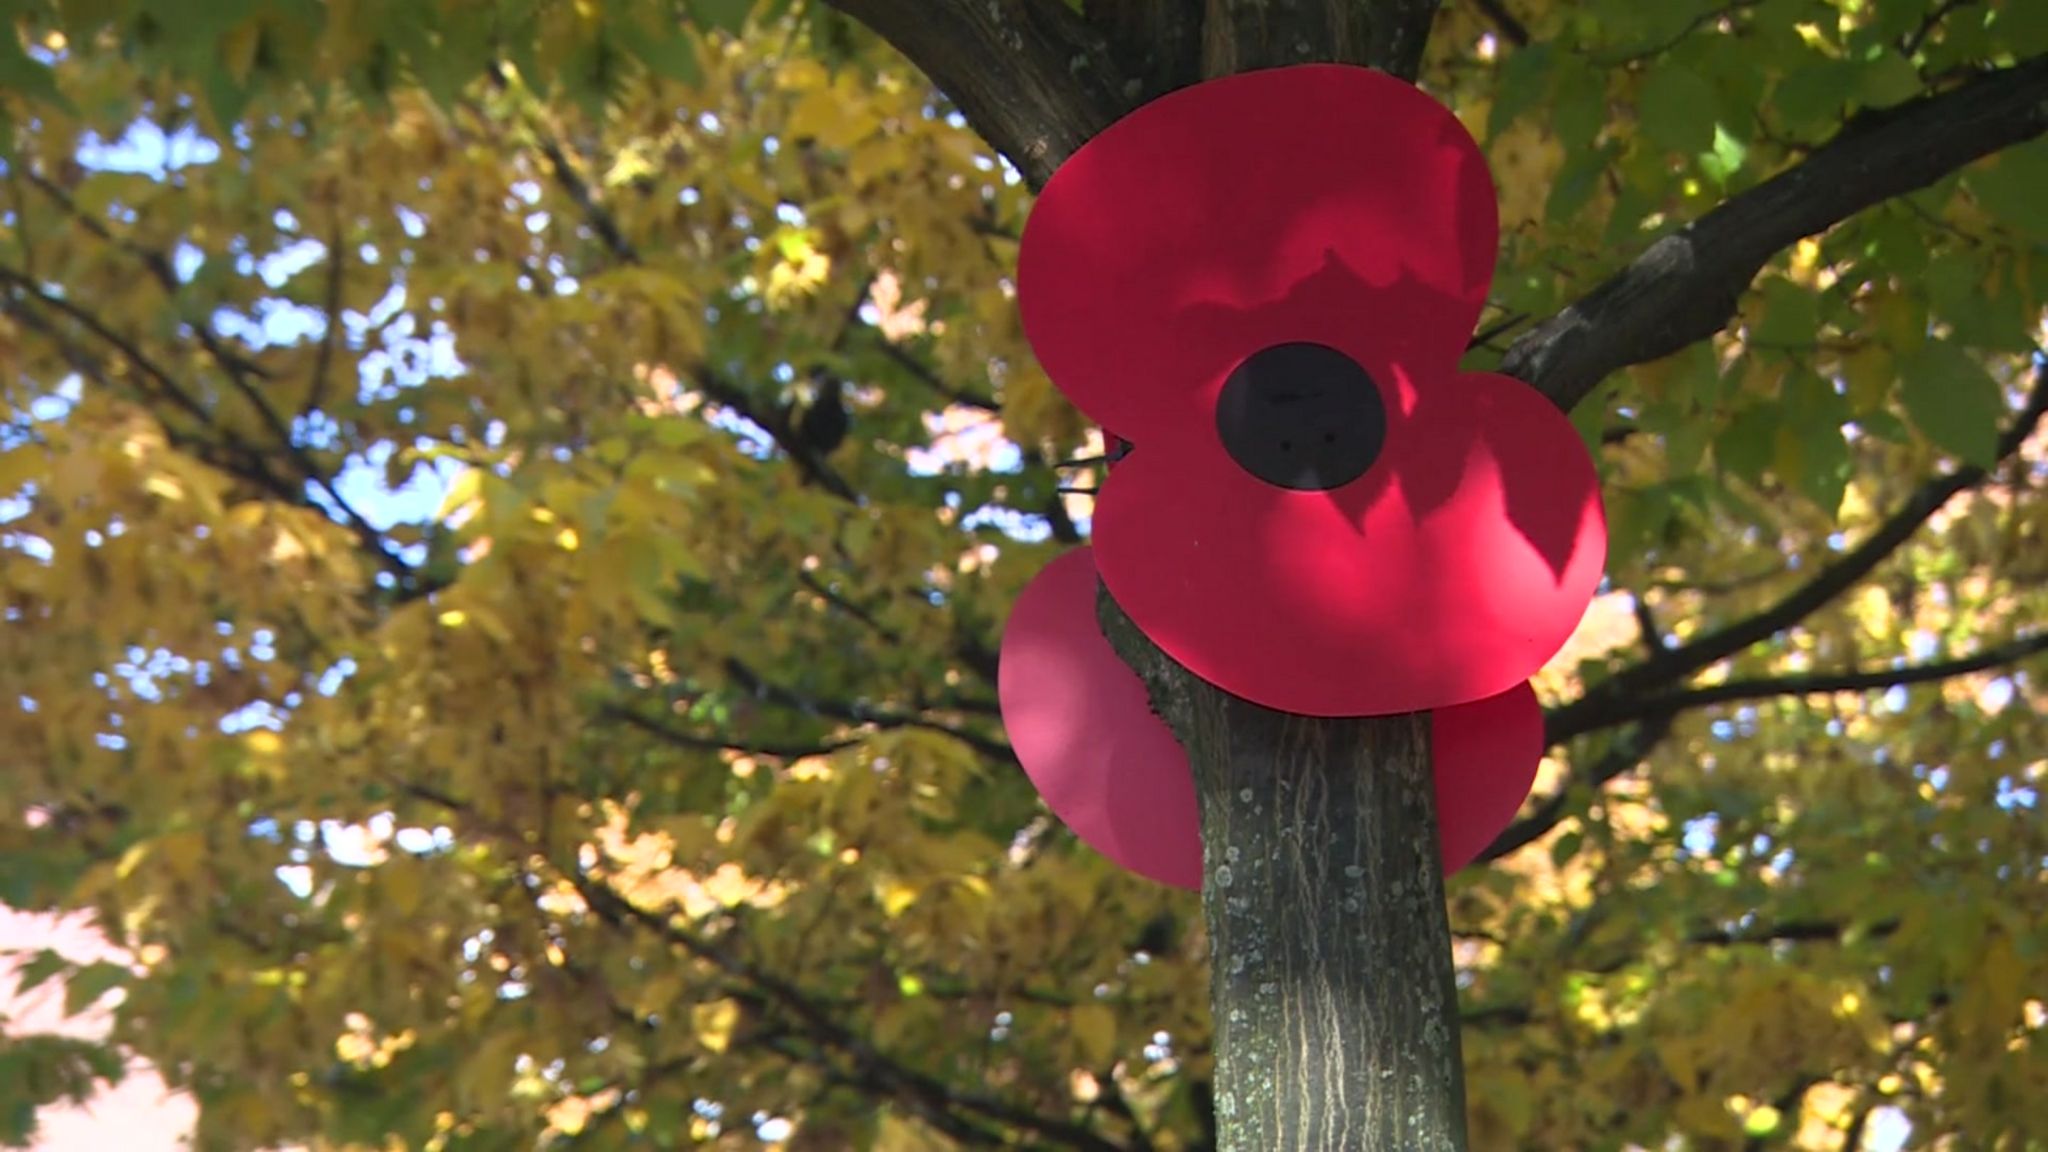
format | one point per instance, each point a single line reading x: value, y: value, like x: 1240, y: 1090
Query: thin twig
x: 1511, y: 29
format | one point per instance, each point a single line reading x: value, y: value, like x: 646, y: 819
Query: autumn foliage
x: 437, y: 641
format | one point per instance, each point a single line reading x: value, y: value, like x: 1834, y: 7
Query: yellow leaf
x: 402, y: 884
x: 655, y: 996
x: 164, y: 486
x: 1901, y: 322
x: 463, y: 491
x: 895, y: 1133
x: 2000, y: 984
x: 1094, y: 1030
x: 21, y: 465
x: 485, y: 1072
x: 181, y: 853
x: 896, y: 897
x: 714, y: 1022
x: 828, y: 116
x: 238, y: 49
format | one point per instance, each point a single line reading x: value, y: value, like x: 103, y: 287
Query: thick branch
x: 1031, y: 77
x: 1386, y: 34
x: 1685, y: 287
x: 1157, y: 43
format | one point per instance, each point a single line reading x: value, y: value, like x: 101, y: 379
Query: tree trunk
x: 1332, y: 987
x: 1329, y: 952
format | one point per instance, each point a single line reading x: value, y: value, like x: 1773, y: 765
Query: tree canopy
x: 507, y: 510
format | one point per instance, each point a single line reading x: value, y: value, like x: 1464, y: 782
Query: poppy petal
x: 1081, y: 725
x: 1190, y: 233
x: 1083, y: 728
x: 1487, y: 753
x: 1450, y: 571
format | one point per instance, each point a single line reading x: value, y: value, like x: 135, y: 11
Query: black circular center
x: 1302, y: 416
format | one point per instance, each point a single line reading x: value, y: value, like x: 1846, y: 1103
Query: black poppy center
x: 1302, y: 416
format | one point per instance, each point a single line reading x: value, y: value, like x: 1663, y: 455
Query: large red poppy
x: 1084, y: 731
x: 1264, y: 283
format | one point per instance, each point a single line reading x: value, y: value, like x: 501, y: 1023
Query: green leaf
x: 22, y: 73
x: 1565, y: 847
x: 1814, y: 458
x: 1814, y: 97
x: 1749, y: 442
x: 85, y: 987
x: 1525, y: 80
x: 2022, y: 26
x: 1898, y: 238
x: 1812, y: 454
x: 2014, y: 187
x: 672, y: 55
x: 47, y: 965
x: 729, y: 16
x: 1638, y: 517
x: 1725, y: 158
x: 1578, y: 110
x: 1885, y: 426
x: 1982, y: 310
x: 1888, y: 79
x: 1576, y: 182
x: 1676, y: 109
x: 1791, y: 315
x: 1953, y: 401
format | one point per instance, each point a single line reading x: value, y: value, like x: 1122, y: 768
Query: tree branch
x: 1618, y: 699
x: 2011, y: 652
x: 923, y: 374
x: 874, y: 1071
x: 1156, y: 42
x: 1504, y: 22
x: 854, y: 712
x: 1623, y: 757
x: 1239, y: 36
x: 242, y: 373
x: 680, y: 738
x: 1031, y: 76
x: 1685, y: 286
x: 330, y: 340
x: 1654, y: 717
x: 873, y: 1068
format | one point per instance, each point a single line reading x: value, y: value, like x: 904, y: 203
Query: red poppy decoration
x: 1264, y: 283
x: 1082, y: 726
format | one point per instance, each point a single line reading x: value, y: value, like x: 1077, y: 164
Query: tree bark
x: 1332, y: 989
x: 1333, y: 996
x: 1331, y: 986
